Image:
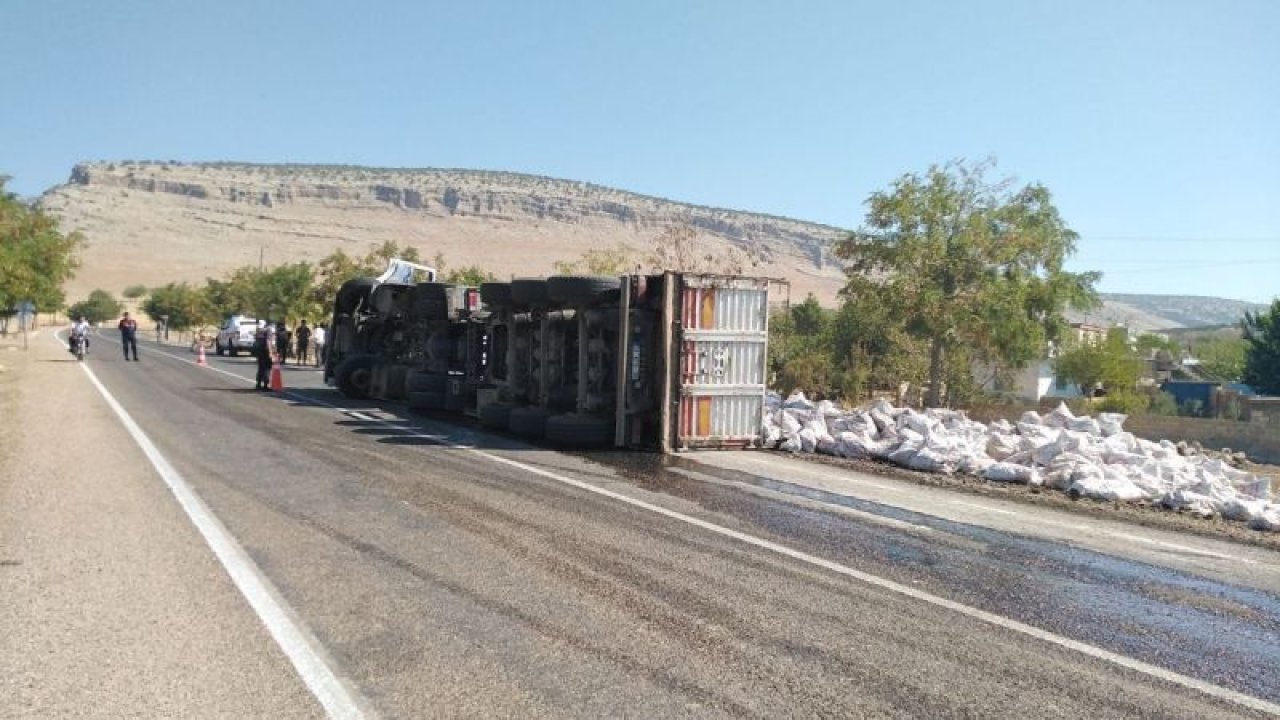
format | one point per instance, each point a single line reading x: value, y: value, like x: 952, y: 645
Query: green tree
x: 99, y: 307
x: 800, y: 356
x: 1262, y: 354
x: 1222, y: 358
x: 133, y: 292
x: 617, y: 260
x: 971, y: 268
x: 468, y: 275
x: 185, y: 306
x: 35, y: 257
x: 1109, y: 364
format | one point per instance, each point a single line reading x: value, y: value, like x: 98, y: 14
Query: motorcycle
x: 77, y: 347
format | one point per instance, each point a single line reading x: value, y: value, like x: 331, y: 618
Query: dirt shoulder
x: 113, y: 605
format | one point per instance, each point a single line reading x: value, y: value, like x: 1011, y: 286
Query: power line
x: 1154, y: 239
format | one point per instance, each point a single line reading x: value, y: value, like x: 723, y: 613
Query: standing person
x: 282, y: 342
x: 262, y: 338
x: 318, y: 338
x: 301, y: 338
x: 128, y: 328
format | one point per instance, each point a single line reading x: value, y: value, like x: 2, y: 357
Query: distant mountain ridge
x: 151, y: 222
x: 1161, y: 312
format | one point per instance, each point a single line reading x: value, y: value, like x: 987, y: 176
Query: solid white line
x: 306, y: 654
x: 1173, y: 546
x: 1092, y: 651
x: 982, y: 615
x: 976, y: 506
x: 805, y: 501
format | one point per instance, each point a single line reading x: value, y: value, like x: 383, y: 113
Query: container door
x: 723, y: 350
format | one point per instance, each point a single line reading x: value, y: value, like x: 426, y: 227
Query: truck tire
x: 584, y: 431
x: 495, y: 294
x: 581, y: 290
x: 352, y: 293
x: 354, y: 376
x: 529, y: 291
x: 495, y: 416
x: 395, y: 388
x: 529, y: 421
x: 419, y: 381
x: 218, y: 349
x: 426, y: 400
x: 431, y: 300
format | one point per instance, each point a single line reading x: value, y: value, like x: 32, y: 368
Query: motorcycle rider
x: 79, y: 330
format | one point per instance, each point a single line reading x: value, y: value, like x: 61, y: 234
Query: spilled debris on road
x: 1085, y: 456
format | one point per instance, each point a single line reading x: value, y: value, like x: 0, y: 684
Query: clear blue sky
x: 1155, y: 124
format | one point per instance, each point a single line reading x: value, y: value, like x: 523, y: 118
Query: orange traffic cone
x: 200, y: 359
x: 277, y: 377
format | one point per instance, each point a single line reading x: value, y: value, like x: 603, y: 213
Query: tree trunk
x: 937, y: 371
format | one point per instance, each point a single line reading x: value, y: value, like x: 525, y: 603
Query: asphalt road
x: 441, y: 571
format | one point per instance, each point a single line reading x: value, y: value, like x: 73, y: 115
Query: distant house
x: 1038, y: 379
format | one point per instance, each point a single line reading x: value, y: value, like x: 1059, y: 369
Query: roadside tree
x: 99, y: 307
x: 1108, y: 364
x: 1262, y: 356
x: 185, y: 306
x: 1222, y: 358
x: 971, y: 268
x: 617, y: 260
x: 35, y: 257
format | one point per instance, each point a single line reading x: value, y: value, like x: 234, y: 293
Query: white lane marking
x: 1042, y: 520
x: 298, y: 644
x: 886, y: 584
x: 1093, y: 651
x: 984, y: 508
x: 1173, y: 546
x: 788, y: 497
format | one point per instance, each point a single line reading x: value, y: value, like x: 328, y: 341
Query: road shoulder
x: 114, y: 606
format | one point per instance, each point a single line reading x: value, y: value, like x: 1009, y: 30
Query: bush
x: 1162, y: 403
x: 1129, y: 402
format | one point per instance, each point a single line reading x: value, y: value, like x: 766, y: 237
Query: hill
x: 1165, y: 312
x: 152, y: 223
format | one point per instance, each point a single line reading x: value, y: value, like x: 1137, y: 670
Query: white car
x: 236, y: 334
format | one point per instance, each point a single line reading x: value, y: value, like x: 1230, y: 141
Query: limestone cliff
x: 151, y: 223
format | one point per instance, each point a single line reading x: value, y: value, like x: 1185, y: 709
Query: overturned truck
x: 665, y: 361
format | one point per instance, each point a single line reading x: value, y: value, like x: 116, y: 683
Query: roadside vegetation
x: 36, y: 258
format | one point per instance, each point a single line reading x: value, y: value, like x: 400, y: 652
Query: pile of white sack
x: 1085, y: 456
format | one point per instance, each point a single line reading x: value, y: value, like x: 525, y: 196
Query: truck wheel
x: 586, y: 431
x: 529, y: 421
x: 529, y: 291
x: 232, y: 350
x: 431, y: 300
x: 218, y: 349
x: 352, y: 293
x: 426, y: 400
x: 495, y: 416
x: 581, y: 290
x: 419, y: 381
x: 354, y: 375
x: 495, y: 294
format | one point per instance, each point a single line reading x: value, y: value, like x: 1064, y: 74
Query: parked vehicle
x: 236, y: 334
x: 667, y: 361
